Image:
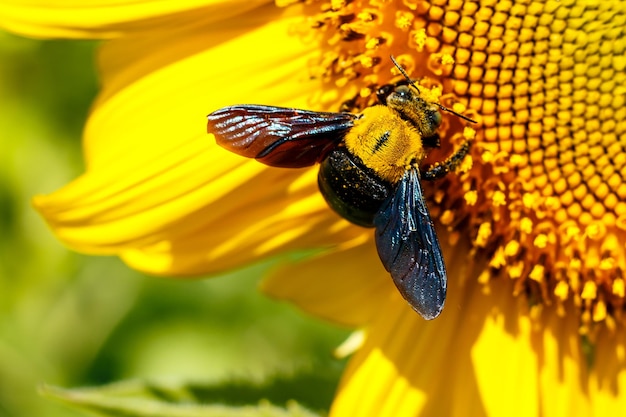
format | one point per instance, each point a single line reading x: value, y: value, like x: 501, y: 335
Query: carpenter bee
x: 369, y: 173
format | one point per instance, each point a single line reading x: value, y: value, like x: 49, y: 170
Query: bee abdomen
x: 352, y: 190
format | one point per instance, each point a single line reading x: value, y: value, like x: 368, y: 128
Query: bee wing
x: 409, y: 249
x: 278, y: 136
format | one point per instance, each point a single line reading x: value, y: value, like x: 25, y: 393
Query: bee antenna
x: 456, y: 114
x: 403, y: 72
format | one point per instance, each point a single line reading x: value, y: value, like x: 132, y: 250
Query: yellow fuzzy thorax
x: 385, y: 143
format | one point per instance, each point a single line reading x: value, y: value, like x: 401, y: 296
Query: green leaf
x: 141, y: 399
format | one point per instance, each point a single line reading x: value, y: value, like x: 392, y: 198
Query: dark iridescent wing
x: 409, y: 249
x: 278, y: 136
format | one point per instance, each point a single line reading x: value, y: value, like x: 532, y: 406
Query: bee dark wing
x: 409, y: 249
x: 278, y: 136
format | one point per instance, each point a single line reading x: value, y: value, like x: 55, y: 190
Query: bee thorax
x: 384, y: 142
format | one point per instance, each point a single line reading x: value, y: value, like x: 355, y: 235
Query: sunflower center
x: 545, y: 198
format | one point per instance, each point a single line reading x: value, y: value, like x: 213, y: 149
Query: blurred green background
x: 72, y: 320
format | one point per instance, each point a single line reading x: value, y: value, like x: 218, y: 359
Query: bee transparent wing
x: 278, y: 136
x: 409, y: 249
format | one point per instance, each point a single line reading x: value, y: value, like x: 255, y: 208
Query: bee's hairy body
x: 384, y: 142
x: 369, y: 173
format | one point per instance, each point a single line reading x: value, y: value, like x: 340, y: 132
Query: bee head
x: 407, y: 101
x: 424, y: 116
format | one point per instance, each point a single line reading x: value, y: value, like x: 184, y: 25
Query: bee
x: 369, y: 173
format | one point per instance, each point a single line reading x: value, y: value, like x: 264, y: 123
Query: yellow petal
x: 112, y: 18
x: 537, y: 359
x: 402, y: 365
x: 608, y: 373
x: 158, y: 89
x: 348, y: 285
x: 562, y: 366
x: 265, y: 222
x: 481, y: 357
x: 158, y: 191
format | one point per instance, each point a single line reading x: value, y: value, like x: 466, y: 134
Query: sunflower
x: 532, y: 227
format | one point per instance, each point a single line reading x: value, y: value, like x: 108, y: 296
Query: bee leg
x: 440, y: 170
x: 432, y: 141
x: 383, y: 91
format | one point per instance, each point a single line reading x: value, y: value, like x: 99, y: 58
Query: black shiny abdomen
x: 352, y: 190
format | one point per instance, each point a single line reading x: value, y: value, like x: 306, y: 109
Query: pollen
x: 419, y: 39
x: 537, y: 273
x: 499, y: 198
x: 447, y: 59
x: 447, y: 217
x: 483, y: 235
x: 471, y: 197
x: 544, y: 195
x: 469, y: 133
x: 404, y: 20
